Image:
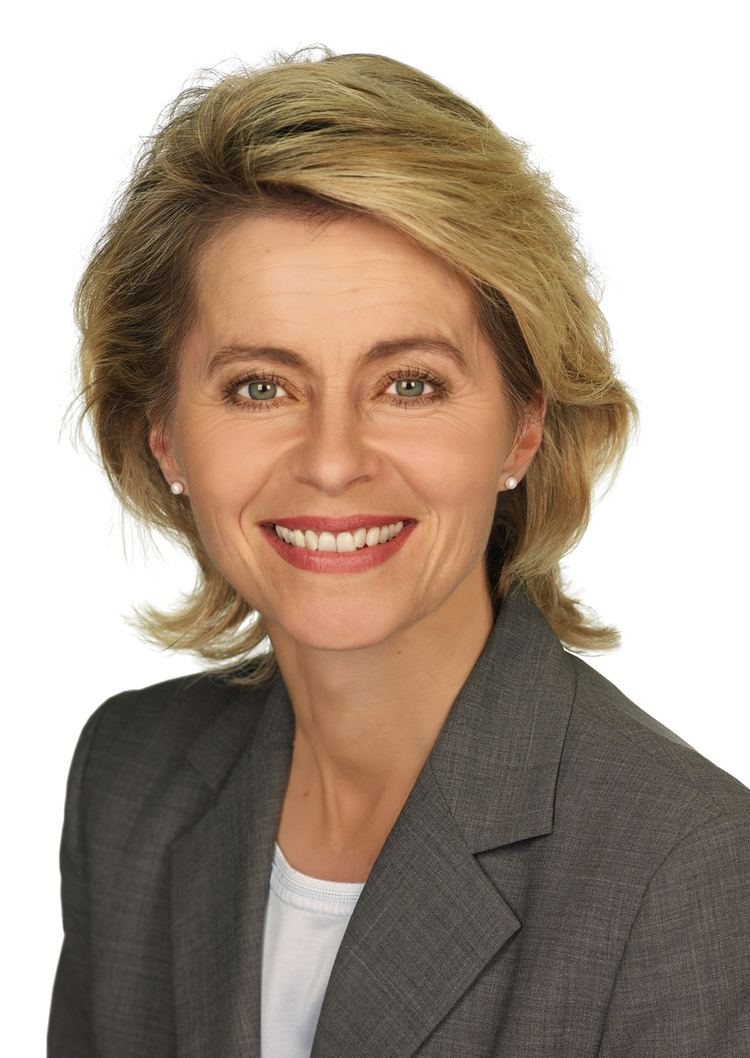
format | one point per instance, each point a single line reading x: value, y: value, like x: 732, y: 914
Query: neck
x: 367, y: 719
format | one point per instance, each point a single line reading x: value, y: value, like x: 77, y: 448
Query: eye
x: 411, y: 386
x: 414, y: 375
x: 263, y: 389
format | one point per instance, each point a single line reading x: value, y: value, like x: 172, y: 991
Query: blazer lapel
x: 429, y: 918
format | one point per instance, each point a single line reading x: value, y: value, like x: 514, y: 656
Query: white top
x: 305, y: 920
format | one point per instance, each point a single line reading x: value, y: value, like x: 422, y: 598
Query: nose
x: 334, y: 450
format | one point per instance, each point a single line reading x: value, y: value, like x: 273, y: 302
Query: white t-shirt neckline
x: 311, y: 894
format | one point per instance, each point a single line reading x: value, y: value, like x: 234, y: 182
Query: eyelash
x: 439, y: 384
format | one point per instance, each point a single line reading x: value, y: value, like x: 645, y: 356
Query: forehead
x: 280, y: 269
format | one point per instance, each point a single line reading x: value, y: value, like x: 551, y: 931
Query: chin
x: 354, y: 627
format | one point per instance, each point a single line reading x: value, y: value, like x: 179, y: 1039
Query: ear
x: 161, y: 444
x: 527, y: 442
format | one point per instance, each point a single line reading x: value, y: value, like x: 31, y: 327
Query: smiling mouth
x: 347, y: 552
x: 343, y: 542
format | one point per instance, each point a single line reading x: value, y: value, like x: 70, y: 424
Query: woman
x: 338, y: 341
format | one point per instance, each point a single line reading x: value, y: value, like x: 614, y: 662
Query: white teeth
x: 362, y: 537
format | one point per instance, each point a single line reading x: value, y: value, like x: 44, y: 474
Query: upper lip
x: 337, y: 525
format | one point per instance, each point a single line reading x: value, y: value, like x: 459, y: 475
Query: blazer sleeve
x: 683, y: 986
x: 69, y: 1033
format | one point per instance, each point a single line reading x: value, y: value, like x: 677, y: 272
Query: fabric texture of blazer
x: 567, y: 878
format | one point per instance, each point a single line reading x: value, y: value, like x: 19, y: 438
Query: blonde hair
x: 322, y: 138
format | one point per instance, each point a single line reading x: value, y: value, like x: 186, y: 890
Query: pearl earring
x: 177, y: 487
x: 511, y: 482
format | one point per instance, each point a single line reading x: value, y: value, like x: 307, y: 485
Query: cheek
x: 220, y: 457
x: 454, y: 465
x: 226, y: 470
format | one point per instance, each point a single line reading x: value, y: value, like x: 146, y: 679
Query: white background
x: 637, y: 111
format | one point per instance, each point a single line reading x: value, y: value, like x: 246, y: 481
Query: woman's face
x: 331, y: 434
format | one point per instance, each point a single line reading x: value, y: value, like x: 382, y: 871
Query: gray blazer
x: 567, y: 878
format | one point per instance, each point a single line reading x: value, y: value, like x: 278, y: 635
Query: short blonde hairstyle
x: 321, y: 138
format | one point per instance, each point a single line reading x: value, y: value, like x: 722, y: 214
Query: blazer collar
x: 429, y: 918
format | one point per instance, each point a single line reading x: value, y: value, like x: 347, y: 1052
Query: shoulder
x: 635, y: 775
x: 667, y: 843
x: 139, y: 734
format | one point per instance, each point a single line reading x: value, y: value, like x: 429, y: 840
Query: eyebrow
x: 380, y: 351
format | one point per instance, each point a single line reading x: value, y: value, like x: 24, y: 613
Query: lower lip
x: 334, y: 561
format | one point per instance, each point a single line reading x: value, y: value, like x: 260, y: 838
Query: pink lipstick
x: 338, y: 561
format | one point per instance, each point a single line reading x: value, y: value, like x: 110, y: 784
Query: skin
x: 374, y: 660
